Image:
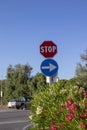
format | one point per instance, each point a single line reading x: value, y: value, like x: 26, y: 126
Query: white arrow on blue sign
x: 49, y: 67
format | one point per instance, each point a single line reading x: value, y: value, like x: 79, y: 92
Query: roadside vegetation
x: 19, y: 83
x: 63, y: 105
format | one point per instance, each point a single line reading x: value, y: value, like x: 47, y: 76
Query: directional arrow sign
x: 49, y: 67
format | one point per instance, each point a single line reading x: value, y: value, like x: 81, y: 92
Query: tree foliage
x: 19, y: 82
x: 38, y: 82
x: 16, y: 82
x: 81, y: 71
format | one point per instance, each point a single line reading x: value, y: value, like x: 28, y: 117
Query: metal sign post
x: 1, y: 94
x: 49, y: 80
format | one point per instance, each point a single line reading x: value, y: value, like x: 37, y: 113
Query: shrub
x: 58, y: 108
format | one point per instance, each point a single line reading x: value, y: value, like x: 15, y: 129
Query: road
x: 12, y: 119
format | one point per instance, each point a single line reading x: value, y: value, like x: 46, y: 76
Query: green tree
x: 16, y: 82
x: 38, y: 83
x: 81, y: 71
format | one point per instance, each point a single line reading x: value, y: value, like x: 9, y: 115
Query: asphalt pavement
x: 12, y: 119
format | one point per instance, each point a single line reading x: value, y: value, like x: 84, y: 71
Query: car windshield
x: 13, y: 100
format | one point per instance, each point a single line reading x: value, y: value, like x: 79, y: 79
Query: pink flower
x: 53, y: 126
x: 85, y: 94
x: 69, y: 117
x: 72, y: 107
x: 64, y: 106
x: 57, y: 113
x: 62, y: 126
x: 83, y: 116
x: 69, y: 101
x: 83, y: 125
x: 86, y: 111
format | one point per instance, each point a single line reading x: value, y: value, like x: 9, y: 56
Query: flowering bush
x: 59, y: 108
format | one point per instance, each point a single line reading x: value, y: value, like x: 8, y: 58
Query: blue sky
x: 25, y: 24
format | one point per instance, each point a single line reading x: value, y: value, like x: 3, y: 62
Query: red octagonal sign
x: 48, y: 49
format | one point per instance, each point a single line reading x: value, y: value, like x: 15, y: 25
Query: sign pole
x: 1, y: 94
x: 49, y: 80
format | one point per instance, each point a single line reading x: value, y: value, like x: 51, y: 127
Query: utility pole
x: 1, y: 90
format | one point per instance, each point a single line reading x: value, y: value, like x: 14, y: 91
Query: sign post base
x: 51, y: 79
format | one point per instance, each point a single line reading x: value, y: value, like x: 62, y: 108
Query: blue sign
x: 49, y: 67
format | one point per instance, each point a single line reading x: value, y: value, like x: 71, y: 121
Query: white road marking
x: 27, y: 126
x: 12, y: 122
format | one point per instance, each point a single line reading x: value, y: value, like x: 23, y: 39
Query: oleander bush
x: 59, y: 108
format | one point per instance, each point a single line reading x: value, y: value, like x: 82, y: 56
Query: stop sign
x: 48, y: 49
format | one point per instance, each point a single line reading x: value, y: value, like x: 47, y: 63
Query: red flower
x: 83, y: 116
x: 86, y: 111
x: 69, y: 101
x: 62, y: 126
x: 72, y: 107
x: 64, y: 106
x: 69, y: 117
x: 57, y: 113
x: 53, y: 126
x: 83, y: 125
x: 85, y: 94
